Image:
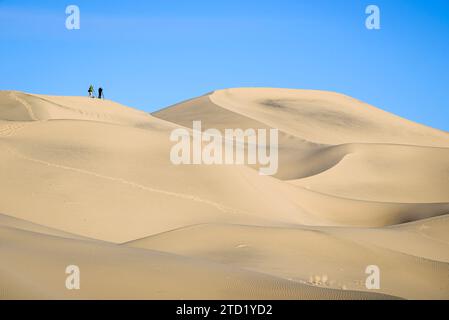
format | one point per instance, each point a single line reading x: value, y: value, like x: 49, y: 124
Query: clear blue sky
x: 151, y: 54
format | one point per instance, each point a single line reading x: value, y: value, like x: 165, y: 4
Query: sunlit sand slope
x: 33, y: 267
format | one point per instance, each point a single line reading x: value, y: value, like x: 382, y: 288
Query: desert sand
x: 89, y: 182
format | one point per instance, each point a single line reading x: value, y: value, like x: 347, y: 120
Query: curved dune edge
x: 89, y: 182
x: 384, y: 173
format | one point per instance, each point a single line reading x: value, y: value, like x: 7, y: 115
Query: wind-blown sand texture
x: 90, y: 183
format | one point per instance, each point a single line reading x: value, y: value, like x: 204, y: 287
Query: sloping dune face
x: 349, y: 162
x: 90, y: 183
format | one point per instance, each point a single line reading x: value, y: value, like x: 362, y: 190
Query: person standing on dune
x: 100, y: 93
x: 91, y: 91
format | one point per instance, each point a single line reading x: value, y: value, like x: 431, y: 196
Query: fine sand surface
x: 90, y: 183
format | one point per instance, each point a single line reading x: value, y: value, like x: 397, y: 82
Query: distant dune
x: 90, y: 182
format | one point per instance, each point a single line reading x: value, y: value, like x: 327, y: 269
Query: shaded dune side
x: 294, y: 152
x: 362, y: 213
x: 19, y: 224
x: 427, y: 238
x: 387, y: 173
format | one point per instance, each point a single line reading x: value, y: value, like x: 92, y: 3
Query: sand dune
x: 345, y: 157
x: 337, y: 259
x: 90, y: 182
x: 114, y: 272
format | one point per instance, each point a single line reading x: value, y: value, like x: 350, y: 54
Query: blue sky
x: 151, y: 54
